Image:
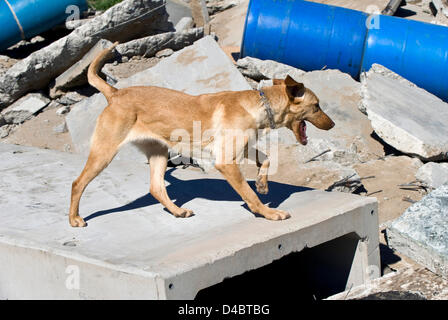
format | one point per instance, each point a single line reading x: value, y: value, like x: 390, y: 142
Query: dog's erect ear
x: 295, y: 90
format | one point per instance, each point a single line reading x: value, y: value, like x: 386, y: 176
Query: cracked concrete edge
x: 425, y: 256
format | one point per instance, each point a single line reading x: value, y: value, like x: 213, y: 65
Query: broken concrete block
x: 184, y: 24
x: 433, y: 174
x: 406, y: 117
x: 149, y: 46
x: 5, y: 130
x: 266, y: 69
x: 24, y: 108
x: 441, y: 6
x: 197, y: 69
x: 63, y: 110
x: 164, y: 53
x: 122, y: 22
x: 76, y: 75
x: 70, y: 98
x: 177, y: 9
x: 215, y: 6
x: 420, y: 232
x: 200, y: 15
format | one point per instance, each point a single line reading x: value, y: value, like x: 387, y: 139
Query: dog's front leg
x: 233, y: 175
x: 263, y: 163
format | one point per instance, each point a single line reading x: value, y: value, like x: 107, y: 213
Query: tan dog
x: 147, y: 116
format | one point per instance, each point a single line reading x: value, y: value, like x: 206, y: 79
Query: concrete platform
x: 133, y: 249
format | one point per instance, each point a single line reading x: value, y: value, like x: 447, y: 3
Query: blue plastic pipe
x: 311, y: 36
x: 24, y: 19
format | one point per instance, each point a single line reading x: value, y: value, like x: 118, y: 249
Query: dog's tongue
x: 303, y: 137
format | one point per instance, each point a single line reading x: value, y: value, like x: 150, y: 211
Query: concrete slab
x: 24, y: 108
x: 406, y: 117
x: 177, y: 9
x: 132, y: 248
x: 433, y: 174
x: 420, y: 232
x: 76, y: 75
x: 409, y: 283
x: 197, y: 69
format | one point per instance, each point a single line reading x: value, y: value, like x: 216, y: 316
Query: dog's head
x: 303, y: 105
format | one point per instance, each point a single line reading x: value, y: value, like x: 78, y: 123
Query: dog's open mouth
x: 303, y: 139
x: 299, y: 129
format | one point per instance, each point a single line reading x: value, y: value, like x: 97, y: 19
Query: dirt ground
x: 39, y: 132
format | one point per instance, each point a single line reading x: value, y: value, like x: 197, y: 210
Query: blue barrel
x: 24, y: 19
x: 306, y: 35
x: 415, y: 50
x: 311, y: 36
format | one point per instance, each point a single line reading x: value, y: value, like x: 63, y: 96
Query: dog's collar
x: 267, y: 107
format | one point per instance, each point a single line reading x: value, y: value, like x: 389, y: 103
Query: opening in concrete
x: 311, y: 274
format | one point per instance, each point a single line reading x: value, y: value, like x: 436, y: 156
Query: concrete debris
x: 164, y: 53
x: 433, y: 174
x: 122, y: 22
x: 420, y: 232
x: 62, y: 128
x: 406, y: 117
x: 197, y: 69
x: 5, y: 130
x: 70, y: 98
x: 177, y: 9
x: 63, y: 110
x: 410, y: 282
x: 200, y: 14
x: 229, y: 25
x: 184, y: 24
x: 24, y: 108
x: 149, y: 46
x: 215, y: 6
x: 73, y: 24
x: 53, y: 105
x: 76, y: 75
x: 441, y: 6
x: 266, y: 69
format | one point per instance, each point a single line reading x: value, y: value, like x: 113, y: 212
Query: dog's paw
x: 277, y: 215
x: 183, y: 213
x: 78, y: 222
x: 262, y: 186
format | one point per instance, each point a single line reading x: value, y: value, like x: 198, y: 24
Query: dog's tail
x: 94, y: 79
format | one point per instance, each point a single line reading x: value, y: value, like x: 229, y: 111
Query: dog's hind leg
x: 109, y: 134
x: 158, y: 159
